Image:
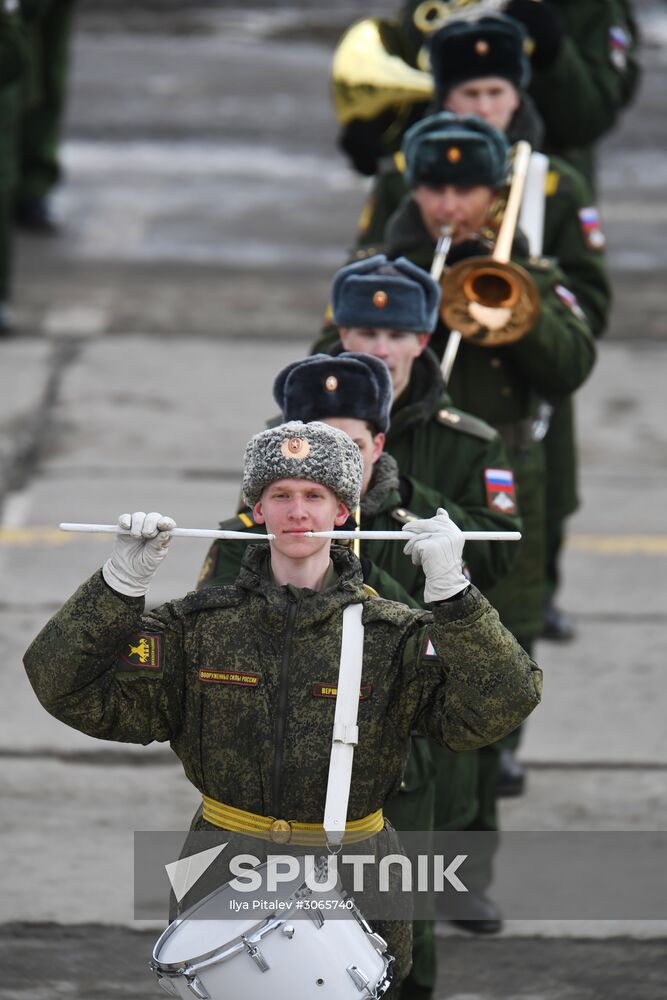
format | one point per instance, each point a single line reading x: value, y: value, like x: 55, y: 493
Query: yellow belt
x: 283, y: 831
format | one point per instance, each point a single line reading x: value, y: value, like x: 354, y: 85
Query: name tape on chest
x: 240, y: 678
x: 500, y: 490
x: 143, y: 652
x: 324, y: 689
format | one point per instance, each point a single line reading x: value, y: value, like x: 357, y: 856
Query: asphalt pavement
x: 204, y: 210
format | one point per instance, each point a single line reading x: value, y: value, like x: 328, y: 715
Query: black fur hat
x: 349, y: 385
x: 391, y: 294
x: 470, y: 50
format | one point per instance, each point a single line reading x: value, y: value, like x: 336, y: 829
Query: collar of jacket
x: 526, y: 124
x: 424, y: 396
x: 382, y: 491
x: 407, y: 236
x: 315, y: 608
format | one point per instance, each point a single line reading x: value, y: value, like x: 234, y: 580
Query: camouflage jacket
x: 240, y: 680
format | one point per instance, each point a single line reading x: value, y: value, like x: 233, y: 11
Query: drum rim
x: 195, y: 962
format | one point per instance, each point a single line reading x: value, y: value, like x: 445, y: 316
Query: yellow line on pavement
x: 41, y: 535
x: 619, y: 545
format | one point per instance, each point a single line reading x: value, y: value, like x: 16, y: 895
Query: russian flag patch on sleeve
x: 500, y: 493
x: 591, y: 228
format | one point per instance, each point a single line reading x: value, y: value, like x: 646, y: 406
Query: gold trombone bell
x: 368, y: 80
x: 490, y: 300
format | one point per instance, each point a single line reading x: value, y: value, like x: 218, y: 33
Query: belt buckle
x: 280, y: 831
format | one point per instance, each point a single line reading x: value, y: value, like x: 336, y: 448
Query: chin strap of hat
x: 345, y: 729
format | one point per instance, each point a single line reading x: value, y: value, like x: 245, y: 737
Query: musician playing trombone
x: 481, y: 67
x: 231, y: 674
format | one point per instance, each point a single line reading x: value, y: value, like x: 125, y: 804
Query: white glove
x: 437, y: 546
x: 136, y: 556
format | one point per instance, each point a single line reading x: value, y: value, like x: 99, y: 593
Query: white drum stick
x: 113, y: 529
x: 403, y: 536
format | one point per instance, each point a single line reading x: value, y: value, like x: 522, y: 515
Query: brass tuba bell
x: 368, y: 80
x: 490, y: 300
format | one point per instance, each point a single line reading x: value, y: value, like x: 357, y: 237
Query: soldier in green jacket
x: 505, y: 385
x: 257, y: 745
x: 583, y: 55
x: 480, y: 67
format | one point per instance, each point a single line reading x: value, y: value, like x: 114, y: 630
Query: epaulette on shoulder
x: 465, y: 423
x: 363, y: 253
x: 391, y: 164
x: 237, y: 523
x: 403, y: 515
x: 562, y: 178
x: 541, y: 264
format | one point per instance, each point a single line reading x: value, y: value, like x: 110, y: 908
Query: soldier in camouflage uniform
x: 233, y: 670
x: 353, y: 392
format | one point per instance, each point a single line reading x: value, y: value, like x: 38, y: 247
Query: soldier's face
x: 397, y: 348
x: 465, y: 208
x: 370, y: 445
x: 491, y: 98
x: 290, y: 507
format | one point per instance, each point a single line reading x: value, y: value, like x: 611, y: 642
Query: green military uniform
x: 594, y: 76
x: 573, y: 238
x: 30, y: 111
x: 457, y: 449
x: 579, y: 95
x: 264, y: 746
x: 44, y: 100
x: 13, y: 61
x: 504, y: 387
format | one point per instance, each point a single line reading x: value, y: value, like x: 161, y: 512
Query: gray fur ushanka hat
x: 296, y: 450
x: 378, y: 293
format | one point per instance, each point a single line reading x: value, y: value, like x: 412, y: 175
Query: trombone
x: 491, y: 301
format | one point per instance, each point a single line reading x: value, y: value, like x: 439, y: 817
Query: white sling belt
x: 345, y: 729
x: 531, y: 219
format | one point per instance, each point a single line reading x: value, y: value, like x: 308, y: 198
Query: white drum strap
x: 345, y: 730
x: 531, y: 218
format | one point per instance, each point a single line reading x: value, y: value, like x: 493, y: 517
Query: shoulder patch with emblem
x: 589, y: 220
x: 142, y: 652
x: 465, y: 423
x: 500, y: 490
x: 430, y: 650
